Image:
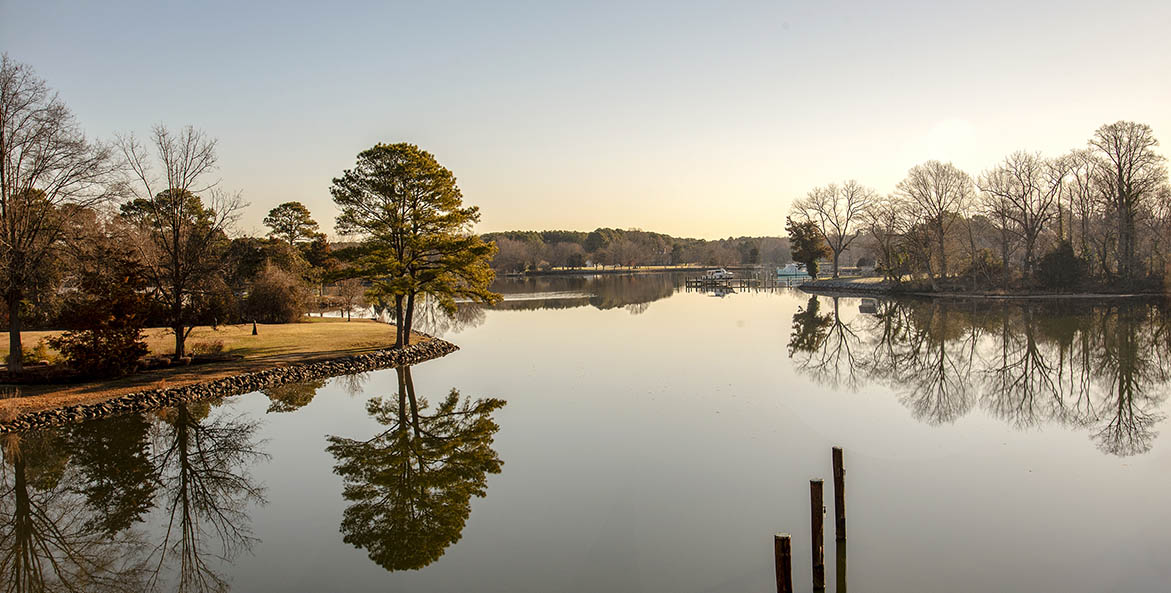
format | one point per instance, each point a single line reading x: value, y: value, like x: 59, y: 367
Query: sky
x: 694, y: 119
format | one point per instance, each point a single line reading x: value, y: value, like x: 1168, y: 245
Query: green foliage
x: 276, y: 296
x: 416, y: 232
x: 291, y: 223
x: 410, y: 487
x: 107, y: 316
x: 1061, y: 269
x: 807, y: 243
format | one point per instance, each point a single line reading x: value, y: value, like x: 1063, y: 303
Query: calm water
x: 618, y: 434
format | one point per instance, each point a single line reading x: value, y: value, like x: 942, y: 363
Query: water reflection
x: 134, y: 503
x: 205, y: 490
x: 633, y: 292
x: 410, y: 486
x: 1102, y: 367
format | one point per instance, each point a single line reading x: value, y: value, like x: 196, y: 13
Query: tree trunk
x: 398, y: 321
x: 179, y: 341
x: 15, y: 351
x: 410, y: 318
x: 942, y: 252
x: 837, y: 254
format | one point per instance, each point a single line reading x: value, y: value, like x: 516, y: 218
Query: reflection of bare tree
x: 47, y: 540
x: 292, y: 396
x: 354, y: 383
x: 205, y: 491
x: 825, y: 345
x: 1023, y: 389
x: 410, y: 486
x: 1128, y: 408
x: 432, y: 318
x: 1025, y: 363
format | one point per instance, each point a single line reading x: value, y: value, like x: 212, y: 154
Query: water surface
x: 619, y: 434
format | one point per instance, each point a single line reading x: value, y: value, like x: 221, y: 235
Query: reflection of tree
x: 205, y: 490
x: 410, y: 486
x: 1024, y: 362
x: 1129, y: 415
x: 114, y: 472
x: 826, y: 345
x: 431, y: 317
x: 809, y: 328
x: 47, y: 543
x: 292, y: 396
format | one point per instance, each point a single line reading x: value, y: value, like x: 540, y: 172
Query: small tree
x: 837, y: 212
x: 291, y: 222
x: 107, y: 314
x: 277, y: 296
x: 1061, y: 269
x: 807, y: 243
x: 350, y: 290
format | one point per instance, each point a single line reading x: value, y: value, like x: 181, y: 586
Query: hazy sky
x: 702, y: 119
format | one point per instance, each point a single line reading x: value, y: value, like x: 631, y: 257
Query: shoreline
x: 234, y: 384
x: 884, y: 289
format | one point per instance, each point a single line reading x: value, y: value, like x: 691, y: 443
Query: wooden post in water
x: 841, y: 566
x: 783, y: 554
x: 817, y: 518
x: 839, y: 495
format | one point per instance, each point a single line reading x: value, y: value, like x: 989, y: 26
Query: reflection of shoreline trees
x: 1103, y: 367
x: 410, y: 486
x: 634, y: 292
x: 79, y: 504
x: 205, y: 490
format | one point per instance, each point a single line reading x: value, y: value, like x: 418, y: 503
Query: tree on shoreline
x: 416, y: 233
x: 806, y: 241
x: 180, y: 219
x: 47, y: 170
x: 837, y: 212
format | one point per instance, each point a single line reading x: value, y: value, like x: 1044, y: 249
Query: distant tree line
x: 519, y: 251
x: 1096, y: 216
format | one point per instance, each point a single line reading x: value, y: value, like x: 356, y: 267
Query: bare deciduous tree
x: 837, y: 212
x: 937, y: 193
x: 180, y: 218
x: 1133, y: 174
x: 1024, y: 189
x: 47, y: 169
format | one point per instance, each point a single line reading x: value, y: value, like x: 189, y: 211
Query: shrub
x: 208, y: 347
x: 1061, y: 269
x: 277, y: 296
x: 106, y: 317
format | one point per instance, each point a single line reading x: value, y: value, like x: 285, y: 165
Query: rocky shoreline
x: 150, y: 399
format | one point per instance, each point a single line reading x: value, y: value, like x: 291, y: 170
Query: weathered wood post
x: 841, y: 566
x: 839, y: 495
x: 254, y: 328
x: 817, y: 518
x: 783, y: 554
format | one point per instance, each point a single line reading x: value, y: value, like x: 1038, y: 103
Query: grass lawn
x: 315, y: 338
x: 312, y: 336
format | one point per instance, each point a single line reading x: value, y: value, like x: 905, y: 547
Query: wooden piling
x: 783, y: 555
x: 841, y: 566
x: 817, y: 519
x: 839, y: 495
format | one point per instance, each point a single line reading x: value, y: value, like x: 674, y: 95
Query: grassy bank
x: 276, y: 345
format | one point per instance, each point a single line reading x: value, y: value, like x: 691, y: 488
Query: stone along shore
x: 150, y: 399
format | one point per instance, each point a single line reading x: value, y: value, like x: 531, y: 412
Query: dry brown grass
x: 276, y: 345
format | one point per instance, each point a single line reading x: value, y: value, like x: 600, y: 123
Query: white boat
x: 792, y: 269
x: 718, y: 274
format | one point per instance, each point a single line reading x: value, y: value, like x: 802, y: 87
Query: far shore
x: 313, y: 340
x: 875, y: 286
